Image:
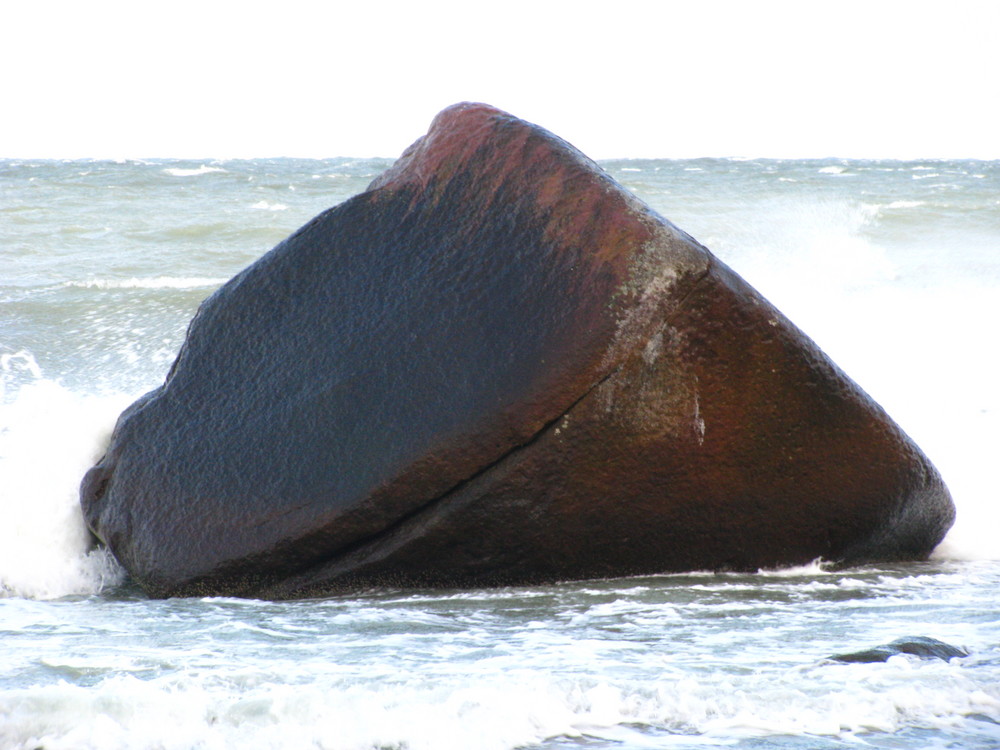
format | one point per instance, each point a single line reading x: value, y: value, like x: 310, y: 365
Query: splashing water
x: 48, y: 439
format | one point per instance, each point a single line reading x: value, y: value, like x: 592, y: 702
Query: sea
x: 892, y: 267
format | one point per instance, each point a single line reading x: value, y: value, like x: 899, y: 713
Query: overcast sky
x: 146, y: 78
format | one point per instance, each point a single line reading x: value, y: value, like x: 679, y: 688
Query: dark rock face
x: 925, y: 648
x: 497, y: 366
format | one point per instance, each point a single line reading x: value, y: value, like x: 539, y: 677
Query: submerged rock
x: 925, y: 648
x: 497, y: 366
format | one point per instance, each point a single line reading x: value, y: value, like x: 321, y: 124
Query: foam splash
x: 49, y: 438
x: 816, y: 568
x: 14, y: 366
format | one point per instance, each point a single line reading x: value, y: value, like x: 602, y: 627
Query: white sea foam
x: 802, y: 249
x: 183, y: 172
x: 489, y: 710
x: 158, y: 282
x: 49, y: 437
x: 265, y: 206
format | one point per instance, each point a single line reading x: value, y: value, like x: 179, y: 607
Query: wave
x: 490, y: 710
x: 182, y: 172
x: 158, y: 282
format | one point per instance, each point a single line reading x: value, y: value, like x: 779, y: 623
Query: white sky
x: 212, y: 78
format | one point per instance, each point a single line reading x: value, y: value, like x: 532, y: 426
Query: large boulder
x: 497, y: 366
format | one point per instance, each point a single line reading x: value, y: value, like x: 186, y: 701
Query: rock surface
x: 497, y: 366
x: 922, y: 646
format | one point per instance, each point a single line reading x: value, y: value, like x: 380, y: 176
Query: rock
x: 497, y: 366
x: 925, y: 648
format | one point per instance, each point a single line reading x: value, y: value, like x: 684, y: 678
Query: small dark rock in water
x: 925, y: 648
x: 497, y: 366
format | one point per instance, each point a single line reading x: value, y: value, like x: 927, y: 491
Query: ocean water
x: 892, y: 267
